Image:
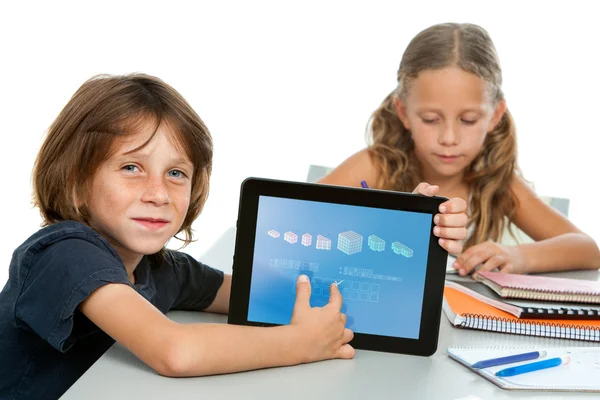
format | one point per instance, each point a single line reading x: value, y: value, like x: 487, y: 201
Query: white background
x: 282, y: 85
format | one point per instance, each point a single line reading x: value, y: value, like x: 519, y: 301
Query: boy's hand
x: 450, y: 223
x: 323, y: 327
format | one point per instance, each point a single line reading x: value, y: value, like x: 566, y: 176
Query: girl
x: 447, y: 123
x: 124, y: 168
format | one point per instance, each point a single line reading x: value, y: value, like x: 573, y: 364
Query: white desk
x: 120, y: 375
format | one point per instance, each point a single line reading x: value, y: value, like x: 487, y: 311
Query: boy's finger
x: 346, y: 352
x: 335, y: 297
x: 347, y: 336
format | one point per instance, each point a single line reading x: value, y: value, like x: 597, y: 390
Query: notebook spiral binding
x: 533, y: 294
x: 546, y: 329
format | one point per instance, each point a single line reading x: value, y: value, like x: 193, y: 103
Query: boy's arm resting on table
x: 559, y: 245
x: 358, y: 167
x: 221, y: 302
x: 174, y: 349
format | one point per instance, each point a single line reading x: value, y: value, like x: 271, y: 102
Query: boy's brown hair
x: 82, y: 136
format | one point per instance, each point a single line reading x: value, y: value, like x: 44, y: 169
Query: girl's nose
x: 448, y: 136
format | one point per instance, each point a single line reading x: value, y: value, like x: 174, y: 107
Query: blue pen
x: 492, y: 362
x: 535, y: 366
x: 364, y: 184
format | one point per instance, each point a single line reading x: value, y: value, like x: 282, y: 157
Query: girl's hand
x: 451, y: 222
x: 491, y: 255
x: 323, y: 335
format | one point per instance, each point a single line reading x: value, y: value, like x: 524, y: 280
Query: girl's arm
x: 174, y: 349
x: 358, y: 167
x: 560, y: 245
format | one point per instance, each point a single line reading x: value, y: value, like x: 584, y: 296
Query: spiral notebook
x: 464, y: 311
x: 579, y: 375
x: 526, y: 308
x: 541, y: 287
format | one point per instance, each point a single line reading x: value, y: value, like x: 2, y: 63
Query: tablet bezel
x: 253, y: 188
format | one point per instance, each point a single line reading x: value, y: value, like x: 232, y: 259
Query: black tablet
x: 377, y: 245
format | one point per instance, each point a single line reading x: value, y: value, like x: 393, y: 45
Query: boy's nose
x: 156, y: 192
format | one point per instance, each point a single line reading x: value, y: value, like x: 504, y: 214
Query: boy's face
x: 449, y: 113
x: 139, y: 199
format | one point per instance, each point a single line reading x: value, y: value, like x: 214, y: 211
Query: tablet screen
x: 377, y: 256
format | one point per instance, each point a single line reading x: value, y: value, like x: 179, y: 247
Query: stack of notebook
x: 570, y: 309
x: 541, y: 287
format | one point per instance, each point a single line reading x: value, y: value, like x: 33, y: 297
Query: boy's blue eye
x: 429, y: 121
x: 130, y: 168
x: 176, y: 173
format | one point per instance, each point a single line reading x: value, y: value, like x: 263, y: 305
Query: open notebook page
x: 581, y: 374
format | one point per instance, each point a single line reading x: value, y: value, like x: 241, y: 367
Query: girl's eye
x: 469, y: 122
x: 130, y: 168
x: 176, y: 174
x: 429, y: 121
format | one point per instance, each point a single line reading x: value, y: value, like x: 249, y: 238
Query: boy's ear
x: 401, y: 111
x: 498, y: 114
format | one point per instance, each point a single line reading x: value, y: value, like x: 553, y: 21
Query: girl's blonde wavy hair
x: 489, y: 176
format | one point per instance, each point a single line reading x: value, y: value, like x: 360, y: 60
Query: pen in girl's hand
x: 364, y: 184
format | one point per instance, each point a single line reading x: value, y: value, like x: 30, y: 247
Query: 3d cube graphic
x: 273, y: 233
x: 306, y: 239
x: 401, y: 249
x: 323, y: 243
x: 376, y: 243
x: 290, y: 237
x: 350, y: 242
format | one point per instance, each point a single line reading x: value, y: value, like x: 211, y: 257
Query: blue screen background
x: 382, y: 291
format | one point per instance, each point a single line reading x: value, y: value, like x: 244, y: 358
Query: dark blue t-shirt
x: 46, y: 343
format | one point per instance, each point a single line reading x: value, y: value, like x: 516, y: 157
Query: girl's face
x: 449, y: 113
x: 139, y: 198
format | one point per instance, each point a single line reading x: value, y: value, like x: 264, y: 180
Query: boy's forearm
x: 208, y: 349
x: 565, y: 252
